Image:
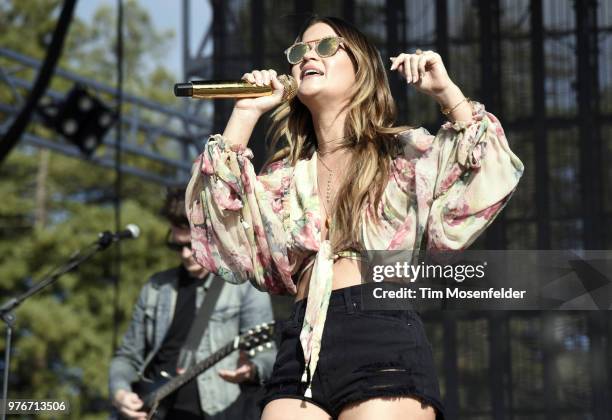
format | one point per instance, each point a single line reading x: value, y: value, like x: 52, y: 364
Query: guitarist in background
x: 161, y: 320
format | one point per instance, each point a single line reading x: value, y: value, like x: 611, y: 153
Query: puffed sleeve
x: 237, y: 218
x: 463, y: 177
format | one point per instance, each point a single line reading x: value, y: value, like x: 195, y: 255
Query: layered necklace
x: 328, y: 189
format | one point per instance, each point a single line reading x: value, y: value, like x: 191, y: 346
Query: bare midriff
x: 346, y: 273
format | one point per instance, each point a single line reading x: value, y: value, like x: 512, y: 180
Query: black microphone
x: 131, y: 231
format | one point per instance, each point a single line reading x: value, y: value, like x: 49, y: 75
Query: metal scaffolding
x: 167, y: 137
x: 543, y: 67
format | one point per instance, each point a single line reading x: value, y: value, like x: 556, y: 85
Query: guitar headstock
x: 258, y: 338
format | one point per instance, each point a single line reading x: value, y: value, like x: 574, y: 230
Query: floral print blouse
x: 261, y: 228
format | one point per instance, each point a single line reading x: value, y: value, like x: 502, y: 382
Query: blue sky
x: 165, y: 15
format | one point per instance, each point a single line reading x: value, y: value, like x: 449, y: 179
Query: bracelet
x: 447, y: 111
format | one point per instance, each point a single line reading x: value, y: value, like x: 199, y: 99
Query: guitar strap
x: 200, y: 323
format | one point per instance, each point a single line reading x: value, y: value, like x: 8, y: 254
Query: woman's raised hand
x: 423, y: 69
x: 264, y: 103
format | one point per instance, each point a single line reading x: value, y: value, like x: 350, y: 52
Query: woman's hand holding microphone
x: 247, y: 111
x: 262, y: 104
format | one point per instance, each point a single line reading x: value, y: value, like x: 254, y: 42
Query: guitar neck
x: 194, y: 371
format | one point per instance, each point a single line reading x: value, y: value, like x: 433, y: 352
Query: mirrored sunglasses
x: 324, y: 47
x: 176, y: 246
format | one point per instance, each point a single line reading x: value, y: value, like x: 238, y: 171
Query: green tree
x: 52, y: 205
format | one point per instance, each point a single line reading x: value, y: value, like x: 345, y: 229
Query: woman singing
x: 344, y: 180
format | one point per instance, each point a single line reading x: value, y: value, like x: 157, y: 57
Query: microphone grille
x: 134, y: 230
x: 290, y: 86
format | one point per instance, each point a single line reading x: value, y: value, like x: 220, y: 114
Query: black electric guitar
x: 154, y: 392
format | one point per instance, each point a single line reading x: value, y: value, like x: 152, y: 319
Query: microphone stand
x: 6, y: 310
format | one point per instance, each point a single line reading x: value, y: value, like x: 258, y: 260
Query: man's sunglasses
x: 324, y: 47
x: 175, y: 246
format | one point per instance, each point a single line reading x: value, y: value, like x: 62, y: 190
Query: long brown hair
x: 369, y: 133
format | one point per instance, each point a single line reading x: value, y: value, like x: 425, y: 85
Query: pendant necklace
x: 327, y: 191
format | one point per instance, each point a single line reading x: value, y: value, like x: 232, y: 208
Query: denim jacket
x: 238, y: 308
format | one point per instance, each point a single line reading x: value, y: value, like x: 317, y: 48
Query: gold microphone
x: 216, y: 89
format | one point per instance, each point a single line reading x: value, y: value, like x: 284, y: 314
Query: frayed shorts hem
x: 425, y: 400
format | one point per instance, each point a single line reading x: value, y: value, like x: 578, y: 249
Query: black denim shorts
x: 364, y: 354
